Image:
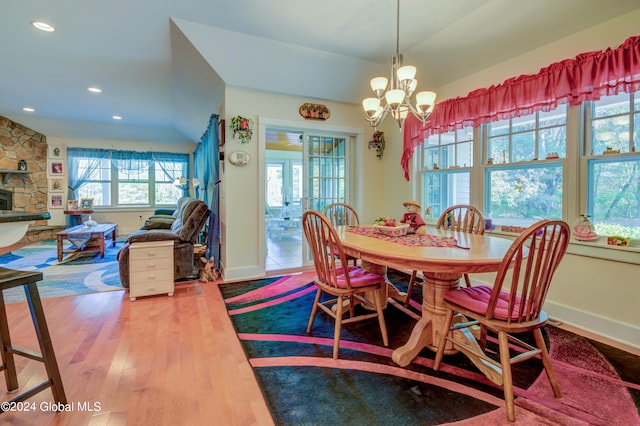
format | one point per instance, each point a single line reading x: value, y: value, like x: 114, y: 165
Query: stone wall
x: 18, y: 142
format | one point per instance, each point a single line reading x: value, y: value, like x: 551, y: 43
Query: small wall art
x: 239, y: 158
x: 55, y: 185
x: 55, y: 201
x: 56, y: 151
x: 56, y: 168
x: 314, y: 111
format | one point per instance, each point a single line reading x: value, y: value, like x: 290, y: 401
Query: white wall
x: 242, y: 220
x: 129, y: 219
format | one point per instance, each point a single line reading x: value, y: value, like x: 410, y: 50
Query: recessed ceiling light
x: 43, y: 26
x: 117, y: 117
x: 28, y: 109
x: 95, y: 89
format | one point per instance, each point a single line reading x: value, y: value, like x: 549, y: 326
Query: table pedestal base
x: 426, y: 333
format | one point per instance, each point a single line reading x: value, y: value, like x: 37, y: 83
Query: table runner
x: 427, y: 240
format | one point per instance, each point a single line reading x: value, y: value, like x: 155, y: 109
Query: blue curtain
x: 77, y: 176
x: 167, y: 159
x: 207, y: 171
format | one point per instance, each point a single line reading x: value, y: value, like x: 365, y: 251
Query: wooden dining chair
x: 342, y: 214
x: 341, y: 281
x: 461, y: 217
x: 512, y: 306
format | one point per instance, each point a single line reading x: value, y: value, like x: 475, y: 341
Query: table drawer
x: 138, y: 252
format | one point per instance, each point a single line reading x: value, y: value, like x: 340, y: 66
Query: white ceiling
x: 162, y: 64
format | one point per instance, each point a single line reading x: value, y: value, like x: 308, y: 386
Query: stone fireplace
x: 24, y: 192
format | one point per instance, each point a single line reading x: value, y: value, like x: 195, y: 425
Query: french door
x: 326, y: 171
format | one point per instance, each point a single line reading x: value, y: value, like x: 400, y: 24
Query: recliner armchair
x: 183, y: 232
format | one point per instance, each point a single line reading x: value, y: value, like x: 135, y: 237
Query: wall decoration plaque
x: 314, y: 111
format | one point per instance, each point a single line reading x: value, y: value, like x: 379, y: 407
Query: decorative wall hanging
x: 241, y: 127
x: 314, y: 111
x: 378, y: 143
x: 239, y: 158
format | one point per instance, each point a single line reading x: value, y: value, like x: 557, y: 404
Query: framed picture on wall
x: 55, y: 185
x: 86, y: 203
x: 56, y: 151
x: 55, y: 201
x: 221, y: 132
x: 56, y: 168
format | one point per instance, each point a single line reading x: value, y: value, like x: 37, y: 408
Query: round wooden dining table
x: 442, y: 267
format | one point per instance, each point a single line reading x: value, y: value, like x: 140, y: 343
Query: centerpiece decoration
x: 388, y: 226
x: 241, y: 128
x: 378, y: 143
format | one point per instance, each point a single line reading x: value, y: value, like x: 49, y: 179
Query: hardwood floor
x: 159, y: 360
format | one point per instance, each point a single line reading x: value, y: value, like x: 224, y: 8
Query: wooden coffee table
x: 95, y: 241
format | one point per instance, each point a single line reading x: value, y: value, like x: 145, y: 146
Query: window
x: 613, y: 166
x: 524, y: 168
x: 446, y: 160
x: 127, y: 179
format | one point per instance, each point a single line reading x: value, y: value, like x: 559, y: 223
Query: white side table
x: 151, y: 269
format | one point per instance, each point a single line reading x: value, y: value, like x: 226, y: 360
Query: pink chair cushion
x: 358, y: 277
x: 477, y: 298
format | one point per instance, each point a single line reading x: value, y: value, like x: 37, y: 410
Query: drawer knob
x: 152, y: 253
x: 152, y: 277
x: 153, y: 265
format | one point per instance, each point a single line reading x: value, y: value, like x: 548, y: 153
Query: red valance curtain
x: 587, y: 77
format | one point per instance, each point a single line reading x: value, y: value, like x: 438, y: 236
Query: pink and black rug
x: 303, y: 385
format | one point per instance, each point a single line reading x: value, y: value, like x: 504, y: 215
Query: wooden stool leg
x: 44, y: 339
x: 8, y: 363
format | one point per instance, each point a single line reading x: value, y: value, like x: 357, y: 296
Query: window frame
x: 115, y: 182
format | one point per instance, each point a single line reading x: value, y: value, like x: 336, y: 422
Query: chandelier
x: 397, y: 100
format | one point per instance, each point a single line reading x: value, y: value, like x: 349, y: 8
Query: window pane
x: 465, y: 154
x: 611, y: 105
x: 99, y: 191
x: 444, y: 189
x: 521, y: 124
x: 614, y: 194
x: 521, y: 196
x: 447, y: 156
x: 274, y: 185
x: 556, y: 117
x: 133, y: 193
x: 612, y: 132
x: 133, y: 169
x: 498, y: 149
x: 430, y: 157
x: 498, y: 128
x: 524, y: 147
x: 553, y: 139
x: 167, y: 193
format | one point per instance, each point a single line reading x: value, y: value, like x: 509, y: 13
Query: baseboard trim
x: 615, y: 333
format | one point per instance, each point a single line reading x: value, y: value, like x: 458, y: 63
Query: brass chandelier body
x: 397, y: 100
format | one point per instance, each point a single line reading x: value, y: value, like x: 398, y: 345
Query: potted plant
x: 241, y: 127
x: 378, y: 143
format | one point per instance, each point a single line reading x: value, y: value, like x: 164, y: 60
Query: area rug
x: 303, y: 385
x: 81, y: 273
